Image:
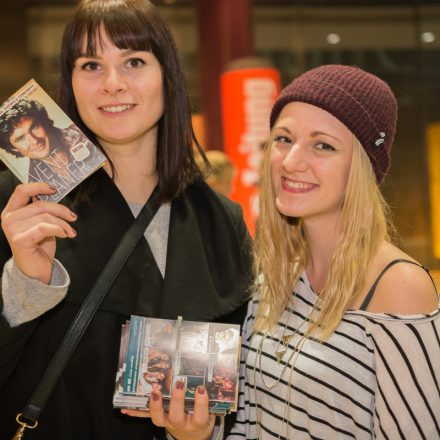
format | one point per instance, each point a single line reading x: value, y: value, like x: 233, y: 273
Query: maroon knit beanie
x: 361, y: 101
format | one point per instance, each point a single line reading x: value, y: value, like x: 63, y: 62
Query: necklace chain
x: 279, y: 354
x: 293, y: 357
x: 290, y: 361
x: 285, y: 339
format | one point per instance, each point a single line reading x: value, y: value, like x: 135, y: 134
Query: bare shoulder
x: 405, y: 288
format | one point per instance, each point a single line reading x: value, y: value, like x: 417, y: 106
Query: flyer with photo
x: 40, y: 143
x: 155, y: 353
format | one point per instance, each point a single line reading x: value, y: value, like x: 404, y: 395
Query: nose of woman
x: 295, y: 159
x: 113, y: 81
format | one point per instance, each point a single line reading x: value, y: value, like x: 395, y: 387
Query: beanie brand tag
x: 381, y: 140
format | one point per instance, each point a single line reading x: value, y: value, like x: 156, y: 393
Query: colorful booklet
x: 155, y: 353
x: 39, y: 143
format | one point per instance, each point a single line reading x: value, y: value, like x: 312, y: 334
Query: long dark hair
x: 137, y: 25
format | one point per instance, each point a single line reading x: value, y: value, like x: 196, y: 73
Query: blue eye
x: 324, y: 147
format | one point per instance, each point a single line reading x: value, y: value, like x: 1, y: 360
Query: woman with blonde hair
x: 342, y: 337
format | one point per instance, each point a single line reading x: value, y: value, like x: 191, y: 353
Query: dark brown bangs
x: 121, y: 36
x: 124, y: 27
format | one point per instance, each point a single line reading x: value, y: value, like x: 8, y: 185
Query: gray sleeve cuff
x: 217, y: 434
x: 219, y: 429
x: 25, y: 299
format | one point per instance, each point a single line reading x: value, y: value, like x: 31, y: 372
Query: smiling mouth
x: 117, y: 108
x: 298, y: 185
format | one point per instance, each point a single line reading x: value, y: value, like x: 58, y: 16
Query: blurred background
x: 397, y: 40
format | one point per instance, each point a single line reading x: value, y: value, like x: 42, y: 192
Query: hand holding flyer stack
x: 156, y: 353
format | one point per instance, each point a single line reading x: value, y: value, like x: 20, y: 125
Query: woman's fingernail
x: 53, y: 188
x: 73, y: 215
x: 155, y: 397
x: 180, y: 384
x: 72, y: 232
x: 201, y: 389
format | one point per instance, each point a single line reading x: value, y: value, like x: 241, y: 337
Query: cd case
x: 40, y: 143
x: 155, y: 353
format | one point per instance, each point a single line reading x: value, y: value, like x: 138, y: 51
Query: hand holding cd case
x: 39, y: 143
x: 155, y: 353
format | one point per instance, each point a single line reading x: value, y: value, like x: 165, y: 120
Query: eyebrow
x: 125, y: 52
x: 313, y: 134
x: 320, y: 133
x: 282, y: 128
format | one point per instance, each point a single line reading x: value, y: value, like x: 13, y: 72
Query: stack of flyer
x: 156, y: 353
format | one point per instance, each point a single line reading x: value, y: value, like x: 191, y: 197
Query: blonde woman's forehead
x: 312, y: 120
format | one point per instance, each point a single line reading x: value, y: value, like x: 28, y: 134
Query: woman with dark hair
x: 121, y: 83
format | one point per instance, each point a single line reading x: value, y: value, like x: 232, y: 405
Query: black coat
x: 207, y: 277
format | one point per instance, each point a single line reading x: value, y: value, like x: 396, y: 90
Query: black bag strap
x: 82, y: 319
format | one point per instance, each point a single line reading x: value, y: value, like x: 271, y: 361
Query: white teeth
x: 117, y: 108
x: 297, y: 185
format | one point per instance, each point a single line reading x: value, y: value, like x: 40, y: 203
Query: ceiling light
x: 427, y: 37
x: 333, y: 38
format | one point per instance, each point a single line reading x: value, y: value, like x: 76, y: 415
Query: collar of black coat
x: 208, y: 268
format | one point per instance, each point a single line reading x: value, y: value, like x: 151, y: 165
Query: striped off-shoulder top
x: 376, y: 377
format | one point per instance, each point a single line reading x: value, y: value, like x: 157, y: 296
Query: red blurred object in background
x: 247, y: 95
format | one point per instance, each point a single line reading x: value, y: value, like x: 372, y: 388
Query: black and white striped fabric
x: 376, y: 377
